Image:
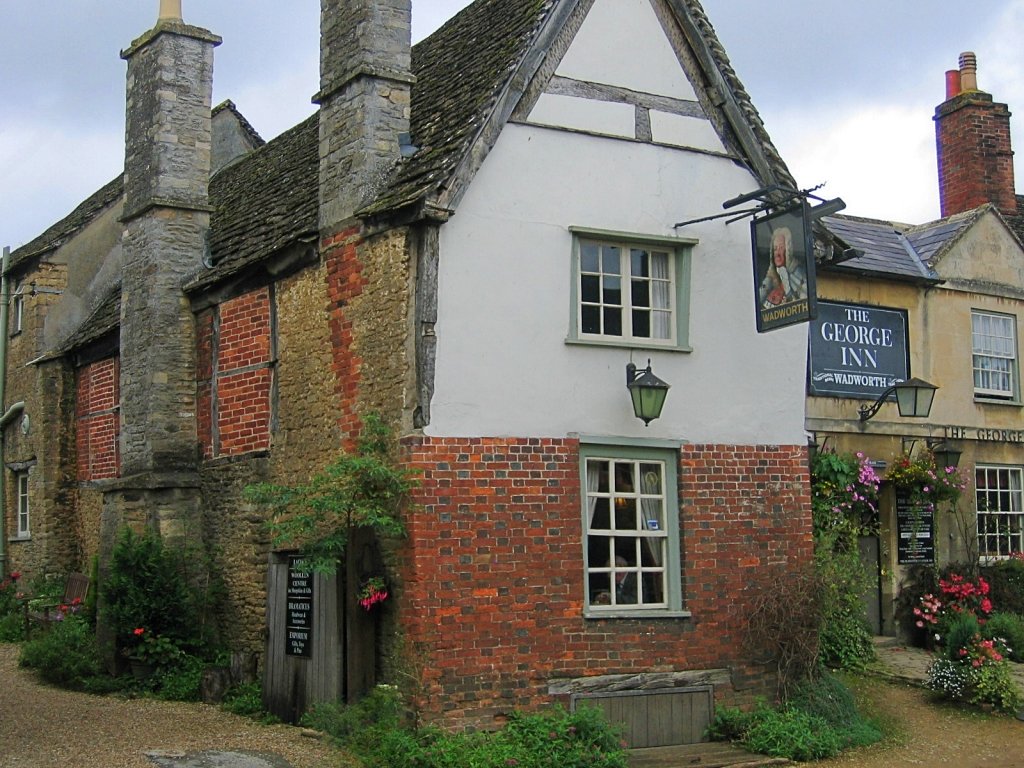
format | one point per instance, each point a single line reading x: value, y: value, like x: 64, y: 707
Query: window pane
x: 613, y: 322
x: 638, y: 263
x: 640, y: 293
x: 590, y: 288
x: 590, y: 320
x: 641, y: 323
x: 610, y: 259
x: 613, y: 290
x: 589, y: 257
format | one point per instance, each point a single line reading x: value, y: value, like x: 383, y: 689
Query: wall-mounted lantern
x: 946, y: 454
x: 913, y: 398
x: 647, y: 392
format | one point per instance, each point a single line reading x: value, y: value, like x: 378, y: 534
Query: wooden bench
x: 76, y: 589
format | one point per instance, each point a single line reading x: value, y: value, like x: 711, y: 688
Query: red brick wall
x: 235, y: 375
x: 345, y: 281
x: 97, y: 424
x: 493, y: 570
x: 974, y: 154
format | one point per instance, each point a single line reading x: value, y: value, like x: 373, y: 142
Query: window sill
x: 628, y: 344
x: 656, y: 613
x: 17, y: 539
x: 982, y: 400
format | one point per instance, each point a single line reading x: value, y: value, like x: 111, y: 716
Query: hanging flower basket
x: 373, y: 592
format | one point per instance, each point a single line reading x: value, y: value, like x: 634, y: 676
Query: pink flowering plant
x: 958, y: 596
x: 374, y: 591
x: 926, y: 484
x: 11, y: 596
x: 844, y: 494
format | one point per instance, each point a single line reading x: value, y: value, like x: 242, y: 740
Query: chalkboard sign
x: 299, y: 621
x: 916, y: 530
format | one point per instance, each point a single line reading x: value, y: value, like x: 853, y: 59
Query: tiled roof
x: 66, y: 228
x: 894, y: 250
x: 460, y: 71
x: 264, y: 202
x: 1017, y: 222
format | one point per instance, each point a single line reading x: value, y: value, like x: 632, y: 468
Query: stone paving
x: 899, y: 661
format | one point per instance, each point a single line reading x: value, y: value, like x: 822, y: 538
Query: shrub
x: 959, y: 633
x: 846, y: 637
x: 245, y: 699
x: 12, y: 628
x: 376, y: 730
x: 1009, y: 627
x: 784, y: 623
x: 152, y: 587
x: 794, y: 734
x: 65, y: 655
x: 182, y: 681
x: 819, y: 720
x: 1007, y: 585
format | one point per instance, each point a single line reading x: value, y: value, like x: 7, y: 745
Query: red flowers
x: 139, y: 632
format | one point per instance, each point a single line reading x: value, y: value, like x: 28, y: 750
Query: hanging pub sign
x: 299, y: 616
x: 915, y: 530
x: 783, y: 268
x: 857, y: 350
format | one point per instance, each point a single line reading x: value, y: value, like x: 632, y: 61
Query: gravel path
x: 44, y: 727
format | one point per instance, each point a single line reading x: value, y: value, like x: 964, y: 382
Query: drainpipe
x: 4, y: 298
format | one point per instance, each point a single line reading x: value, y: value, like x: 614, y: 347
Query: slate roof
x: 898, y: 251
x: 268, y: 199
x: 1017, y: 222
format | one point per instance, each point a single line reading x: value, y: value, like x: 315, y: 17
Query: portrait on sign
x: 783, y: 269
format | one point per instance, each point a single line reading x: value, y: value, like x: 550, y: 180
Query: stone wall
x: 42, y: 444
x: 493, y: 577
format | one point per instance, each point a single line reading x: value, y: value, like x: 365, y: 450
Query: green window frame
x: 630, y: 290
x: 631, y: 530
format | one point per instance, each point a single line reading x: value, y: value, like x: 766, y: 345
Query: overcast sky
x: 847, y: 89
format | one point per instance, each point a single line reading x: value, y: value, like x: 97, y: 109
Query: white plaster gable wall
x: 503, y: 367
x: 621, y: 42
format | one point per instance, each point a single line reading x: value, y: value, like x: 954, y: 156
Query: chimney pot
x: 968, y: 71
x: 170, y: 10
x: 952, y: 83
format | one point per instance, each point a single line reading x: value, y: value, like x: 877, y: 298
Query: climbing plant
x: 361, y: 489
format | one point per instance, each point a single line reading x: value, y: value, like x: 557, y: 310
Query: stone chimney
x: 973, y: 141
x: 364, y: 98
x: 166, y: 219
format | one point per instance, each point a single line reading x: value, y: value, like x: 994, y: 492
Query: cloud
x: 44, y: 186
x: 879, y: 159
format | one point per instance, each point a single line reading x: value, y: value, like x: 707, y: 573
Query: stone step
x: 705, y: 755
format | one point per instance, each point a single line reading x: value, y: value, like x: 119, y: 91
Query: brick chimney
x: 166, y: 218
x: 972, y: 136
x: 364, y: 98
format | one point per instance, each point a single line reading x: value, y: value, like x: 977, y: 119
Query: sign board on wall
x: 784, y: 290
x: 299, y: 621
x: 915, y: 528
x: 857, y: 350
